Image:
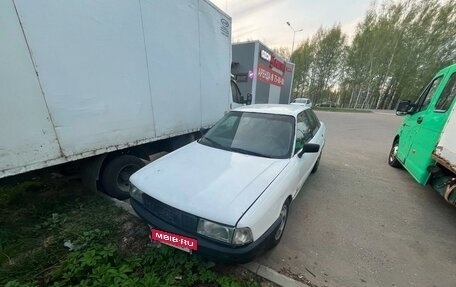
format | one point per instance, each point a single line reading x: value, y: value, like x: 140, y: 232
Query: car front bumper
x: 206, y: 247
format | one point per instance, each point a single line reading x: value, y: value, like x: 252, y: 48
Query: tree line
x: 395, y: 51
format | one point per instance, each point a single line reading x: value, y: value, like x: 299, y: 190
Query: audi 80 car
x: 227, y: 195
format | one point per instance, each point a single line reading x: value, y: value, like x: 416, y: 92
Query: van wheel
x: 276, y: 235
x: 116, y: 174
x: 392, y: 158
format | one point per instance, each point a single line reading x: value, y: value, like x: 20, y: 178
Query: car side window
x: 427, y: 95
x: 447, y: 96
x: 314, y: 122
x: 303, y: 131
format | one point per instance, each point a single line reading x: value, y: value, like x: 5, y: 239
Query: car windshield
x: 258, y: 134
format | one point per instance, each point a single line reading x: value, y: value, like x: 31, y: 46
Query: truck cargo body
x: 263, y: 73
x: 445, y: 151
x: 83, y: 78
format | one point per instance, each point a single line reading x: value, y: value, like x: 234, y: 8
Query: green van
x: 425, y: 144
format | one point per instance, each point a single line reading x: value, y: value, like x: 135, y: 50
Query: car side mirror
x: 309, y: 148
x: 405, y: 108
x: 249, y: 99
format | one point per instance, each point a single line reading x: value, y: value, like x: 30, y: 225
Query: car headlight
x: 136, y: 194
x: 214, y: 230
x: 227, y: 234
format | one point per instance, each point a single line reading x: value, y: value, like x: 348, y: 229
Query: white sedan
x: 302, y: 101
x: 227, y: 195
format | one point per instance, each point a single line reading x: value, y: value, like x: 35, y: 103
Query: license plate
x: 183, y: 243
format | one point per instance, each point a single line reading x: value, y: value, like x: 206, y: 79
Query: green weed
x: 55, y: 234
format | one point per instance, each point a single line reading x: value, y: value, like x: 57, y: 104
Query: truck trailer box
x: 84, y: 78
x: 262, y: 73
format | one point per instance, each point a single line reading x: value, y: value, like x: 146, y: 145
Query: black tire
x: 317, y: 163
x: 392, y: 157
x: 276, y: 235
x: 115, y: 176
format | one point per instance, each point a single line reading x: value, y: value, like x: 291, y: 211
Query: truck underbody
x: 443, y: 180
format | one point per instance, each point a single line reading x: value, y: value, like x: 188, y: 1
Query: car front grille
x: 171, y: 215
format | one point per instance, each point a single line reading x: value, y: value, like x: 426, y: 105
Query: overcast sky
x: 265, y: 20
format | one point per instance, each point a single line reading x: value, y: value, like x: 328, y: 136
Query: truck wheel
x: 116, y: 174
x: 392, y: 158
x: 276, y: 235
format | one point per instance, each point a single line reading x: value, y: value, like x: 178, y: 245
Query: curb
x: 254, y: 267
x: 272, y: 275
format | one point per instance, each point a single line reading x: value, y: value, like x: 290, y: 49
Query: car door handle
x: 419, y: 120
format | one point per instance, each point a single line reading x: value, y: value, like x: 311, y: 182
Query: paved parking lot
x: 359, y: 222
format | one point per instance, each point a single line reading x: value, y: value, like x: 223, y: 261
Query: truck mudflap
x: 446, y: 187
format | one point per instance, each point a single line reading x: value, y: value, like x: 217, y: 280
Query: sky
x: 265, y: 20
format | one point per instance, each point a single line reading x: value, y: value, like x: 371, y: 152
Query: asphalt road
x: 359, y: 222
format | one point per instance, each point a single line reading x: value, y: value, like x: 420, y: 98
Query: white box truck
x: 105, y: 83
x: 262, y: 73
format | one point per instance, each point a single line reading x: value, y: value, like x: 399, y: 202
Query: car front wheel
x: 276, y: 235
x: 317, y: 163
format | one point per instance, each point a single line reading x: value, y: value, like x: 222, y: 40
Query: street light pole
x: 294, y: 34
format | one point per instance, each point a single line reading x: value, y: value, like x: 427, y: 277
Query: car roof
x: 278, y: 109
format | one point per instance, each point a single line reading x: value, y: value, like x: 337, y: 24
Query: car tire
x: 276, y: 235
x: 115, y: 176
x: 317, y: 163
x: 392, y: 157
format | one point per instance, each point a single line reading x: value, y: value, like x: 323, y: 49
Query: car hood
x: 211, y: 183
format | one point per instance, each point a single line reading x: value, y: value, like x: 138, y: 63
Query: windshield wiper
x: 240, y: 150
x: 214, y: 143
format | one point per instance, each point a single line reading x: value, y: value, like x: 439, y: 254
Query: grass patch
x: 343, y: 110
x: 54, y: 233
